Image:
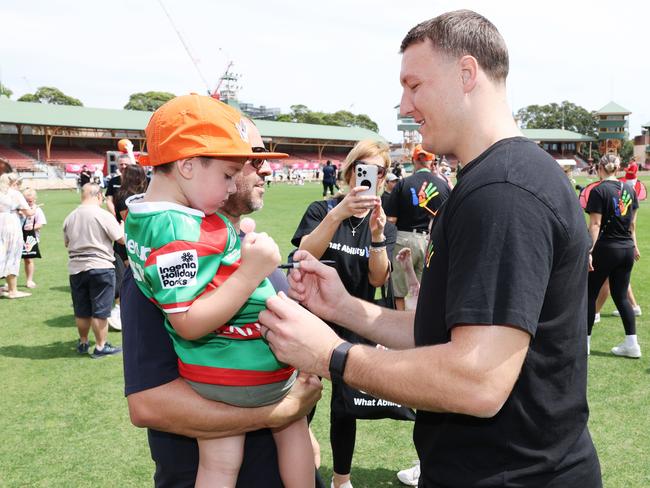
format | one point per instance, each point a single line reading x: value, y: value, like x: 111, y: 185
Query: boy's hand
x: 260, y: 255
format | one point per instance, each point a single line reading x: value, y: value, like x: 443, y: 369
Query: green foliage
x: 51, y: 95
x: 627, y: 150
x: 148, y: 101
x: 343, y: 118
x: 553, y: 116
x: 5, y: 91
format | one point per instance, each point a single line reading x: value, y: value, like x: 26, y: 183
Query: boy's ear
x: 185, y: 167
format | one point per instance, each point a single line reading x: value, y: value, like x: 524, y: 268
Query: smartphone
x: 366, y: 175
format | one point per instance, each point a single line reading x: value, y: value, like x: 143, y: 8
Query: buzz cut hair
x: 464, y: 32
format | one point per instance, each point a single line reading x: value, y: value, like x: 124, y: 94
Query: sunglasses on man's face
x: 381, y: 170
x: 256, y: 162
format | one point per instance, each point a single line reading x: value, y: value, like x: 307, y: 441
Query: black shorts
x: 93, y: 293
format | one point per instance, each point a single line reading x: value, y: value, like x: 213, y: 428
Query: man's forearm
x: 390, y: 328
x: 175, y: 407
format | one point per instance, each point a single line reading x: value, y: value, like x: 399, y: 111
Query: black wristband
x: 338, y: 360
x: 378, y: 244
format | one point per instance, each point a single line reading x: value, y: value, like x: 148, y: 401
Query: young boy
x: 187, y: 259
x: 31, y: 235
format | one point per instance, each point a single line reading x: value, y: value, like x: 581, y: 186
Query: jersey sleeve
x: 500, y: 257
x: 313, y: 216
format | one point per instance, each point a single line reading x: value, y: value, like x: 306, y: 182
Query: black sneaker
x: 82, y: 347
x: 108, y: 350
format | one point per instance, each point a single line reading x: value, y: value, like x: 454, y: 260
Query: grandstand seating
x: 18, y: 160
x: 65, y: 154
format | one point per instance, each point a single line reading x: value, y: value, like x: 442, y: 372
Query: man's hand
x: 316, y: 286
x: 296, y: 336
x: 304, y: 394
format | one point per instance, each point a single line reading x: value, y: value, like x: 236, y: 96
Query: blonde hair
x: 610, y: 163
x: 8, y: 179
x: 29, y: 193
x: 367, y: 148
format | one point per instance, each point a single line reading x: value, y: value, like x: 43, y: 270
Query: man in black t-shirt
x: 172, y: 411
x: 84, y: 176
x: 113, y: 185
x: 413, y: 203
x: 495, y: 358
x: 389, y: 186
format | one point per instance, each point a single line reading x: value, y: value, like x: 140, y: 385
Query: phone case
x: 366, y: 175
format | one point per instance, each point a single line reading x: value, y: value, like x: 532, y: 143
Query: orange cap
x: 417, y: 151
x: 195, y: 125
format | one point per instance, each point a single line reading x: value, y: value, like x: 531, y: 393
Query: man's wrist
x: 337, y: 361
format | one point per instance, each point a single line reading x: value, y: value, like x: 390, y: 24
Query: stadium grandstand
x: 35, y: 136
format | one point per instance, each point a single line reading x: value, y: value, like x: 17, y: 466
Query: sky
x: 329, y: 56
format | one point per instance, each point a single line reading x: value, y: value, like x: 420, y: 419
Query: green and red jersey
x: 177, y: 254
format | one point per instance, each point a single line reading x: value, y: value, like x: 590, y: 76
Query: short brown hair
x: 463, y: 32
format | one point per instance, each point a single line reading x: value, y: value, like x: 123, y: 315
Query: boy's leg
x: 219, y: 461
x: 29, y: 272
x: 295, y: 454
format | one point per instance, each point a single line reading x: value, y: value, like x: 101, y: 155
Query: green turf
x: 65, y: 421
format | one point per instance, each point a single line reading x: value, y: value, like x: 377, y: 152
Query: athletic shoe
x: 410, y: 476
x: 637, y: 312
x: 596, y: 318
x: 633, y: 352
x: 82, y: 347
x: 347, y: 484
x: 108, y: 350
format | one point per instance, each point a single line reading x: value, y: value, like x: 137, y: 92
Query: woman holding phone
x: 351, y: 230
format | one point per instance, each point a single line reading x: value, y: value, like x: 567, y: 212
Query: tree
x: 567, y: 115
x: 5, y: 91
x: 627, y: 150
x: 51, y: 95
x: 343, y: 118
x: 148, y: 101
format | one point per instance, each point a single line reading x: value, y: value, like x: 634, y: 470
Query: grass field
x: 65, y: 421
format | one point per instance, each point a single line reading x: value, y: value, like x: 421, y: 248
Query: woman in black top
x: 134, y: 182
x: 612, y: 209
x: 353, y: 232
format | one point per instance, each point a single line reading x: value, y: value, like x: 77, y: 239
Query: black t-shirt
x: 113, y: 185
x: 329, y: 174
x: 411, y: 194
x: 616, y: 201
x: 510, y: 246
x: 384, y: 200
x: 351, y: 253
x: 150, y: 361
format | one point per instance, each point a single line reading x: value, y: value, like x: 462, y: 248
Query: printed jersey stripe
x: 232, y: 377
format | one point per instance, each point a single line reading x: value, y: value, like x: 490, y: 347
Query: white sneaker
x: 596, y: 318
x: 627, y: 351
x: 410, y: 476
x: 637, y: 312
x: 347, y: 484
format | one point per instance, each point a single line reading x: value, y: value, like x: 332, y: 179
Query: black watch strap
x: 338, y: 360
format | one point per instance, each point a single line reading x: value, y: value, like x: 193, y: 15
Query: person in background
x: 88, y: 233
x: 352, y: 231
x: 412, y: 205
x: 612, y: 207
x: 133, y: 181
x: 32, y: 235
x: 391, y: 181
x: 84, y: 176
x: 12, y: 207
x: 113, y: 185
x: 329, y: 178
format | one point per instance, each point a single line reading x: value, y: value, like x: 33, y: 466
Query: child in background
x: 187, y: 259
x: 31, y: 235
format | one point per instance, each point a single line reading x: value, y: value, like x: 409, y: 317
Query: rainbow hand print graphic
x: 426, y: 193
x: 623, y: 204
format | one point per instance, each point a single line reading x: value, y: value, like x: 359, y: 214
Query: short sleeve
x: 595, y: 202
x: 113, y: 228
x: 179, y: 272
x: 313, y: 216
x: 500, y: 242
x: 39, y: 217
